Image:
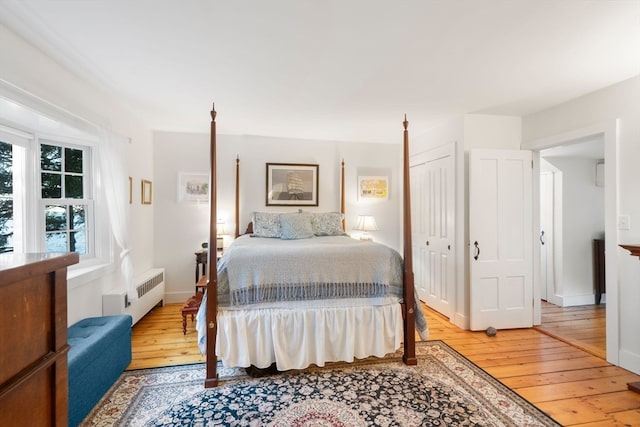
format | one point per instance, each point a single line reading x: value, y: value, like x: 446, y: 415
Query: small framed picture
x: 373, y: 187
x: 147, y: 191
x: 193, y: 187
x: 292, y: 184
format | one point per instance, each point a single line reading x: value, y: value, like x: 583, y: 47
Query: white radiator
x: 150, y: 288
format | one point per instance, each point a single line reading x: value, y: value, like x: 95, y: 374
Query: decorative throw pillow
x: 327, y: 223
x: 295, y: 226
x: 266, y: 224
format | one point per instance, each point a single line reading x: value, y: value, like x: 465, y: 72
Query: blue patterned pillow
x: 327, y: 223
x: 295, y: 226
x: 266, y: 224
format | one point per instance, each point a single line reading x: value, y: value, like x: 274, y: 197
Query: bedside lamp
x: 366, y: 223
x: 219, y: 235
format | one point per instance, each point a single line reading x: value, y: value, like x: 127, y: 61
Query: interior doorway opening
x: 572, y: 220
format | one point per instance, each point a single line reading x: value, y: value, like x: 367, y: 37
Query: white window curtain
x: 115, y: 183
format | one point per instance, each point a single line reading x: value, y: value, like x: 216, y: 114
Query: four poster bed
x: 295, y: 290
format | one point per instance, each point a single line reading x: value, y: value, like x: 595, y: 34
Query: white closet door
x: 433, y: 228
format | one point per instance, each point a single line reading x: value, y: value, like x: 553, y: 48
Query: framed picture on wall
x: 193, y: 187
x: 373, y: 187
x: 292, y: 184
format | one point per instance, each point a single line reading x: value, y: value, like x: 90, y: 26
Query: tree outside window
x: 6, y: 197
x: 63, y: 190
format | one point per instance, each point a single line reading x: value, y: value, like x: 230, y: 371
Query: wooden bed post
x: 237, y: 217
x: 342, y: 208
x: 212, y: 285
x: 409, y: 356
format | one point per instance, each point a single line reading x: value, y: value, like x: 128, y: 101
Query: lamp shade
x: 219, y: 233
x: 366, y: 223
x: 220, y: 228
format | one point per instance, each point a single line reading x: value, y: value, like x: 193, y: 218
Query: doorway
x: 572, y: 219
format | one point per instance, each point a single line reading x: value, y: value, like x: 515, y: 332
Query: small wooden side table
x: 201, y: 263
x: 201, y: 267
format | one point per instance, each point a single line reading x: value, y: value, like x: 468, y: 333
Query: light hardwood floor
x: 573, y: 386
x: 582, y: 326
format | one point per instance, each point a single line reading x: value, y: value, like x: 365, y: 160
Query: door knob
x: 542, y: 237
x: 477, y: 250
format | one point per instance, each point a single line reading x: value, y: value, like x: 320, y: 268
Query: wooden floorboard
x: 581, y: 326
x: 563, y: 376
x: 157, y: 340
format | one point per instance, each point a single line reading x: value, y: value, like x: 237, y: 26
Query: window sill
x: 80, y: 275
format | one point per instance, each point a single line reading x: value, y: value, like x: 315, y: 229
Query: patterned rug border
x: 142, y: 394
x: 497, y: 383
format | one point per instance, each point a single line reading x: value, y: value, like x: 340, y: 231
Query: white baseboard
x: 178, y: 297
x: 630, y: 361
x: 461, y: 321
x: 555, y: 300
x: 574, y: 300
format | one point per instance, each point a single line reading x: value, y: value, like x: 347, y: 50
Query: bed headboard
x: 249, y: 229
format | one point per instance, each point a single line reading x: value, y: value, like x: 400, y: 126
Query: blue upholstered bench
x: 100, y: 352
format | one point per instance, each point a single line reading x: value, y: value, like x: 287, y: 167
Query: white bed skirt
x: 297, y: 338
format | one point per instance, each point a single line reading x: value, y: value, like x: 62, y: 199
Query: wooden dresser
x: 33, y: 339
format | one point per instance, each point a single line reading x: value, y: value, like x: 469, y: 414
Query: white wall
x: 488, y: 131
x: 28, y: 68
x: 583, y: 213
x: 180, y: 228
x: 622, y: 102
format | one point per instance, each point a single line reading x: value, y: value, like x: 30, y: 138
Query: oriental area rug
x: 444, y: 389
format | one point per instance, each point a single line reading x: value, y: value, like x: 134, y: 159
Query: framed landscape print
x: 373, y: 187
x: 193, y: 187
x: 292, y: 184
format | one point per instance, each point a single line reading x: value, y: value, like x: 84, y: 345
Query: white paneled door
x: 433, y: 226
x: 500, y: 233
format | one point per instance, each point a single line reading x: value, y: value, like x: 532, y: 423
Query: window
x: 46, y: 195
x: 65, y: 184
x: 50, y: 197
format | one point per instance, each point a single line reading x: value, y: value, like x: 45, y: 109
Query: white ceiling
x: 335, y: 69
